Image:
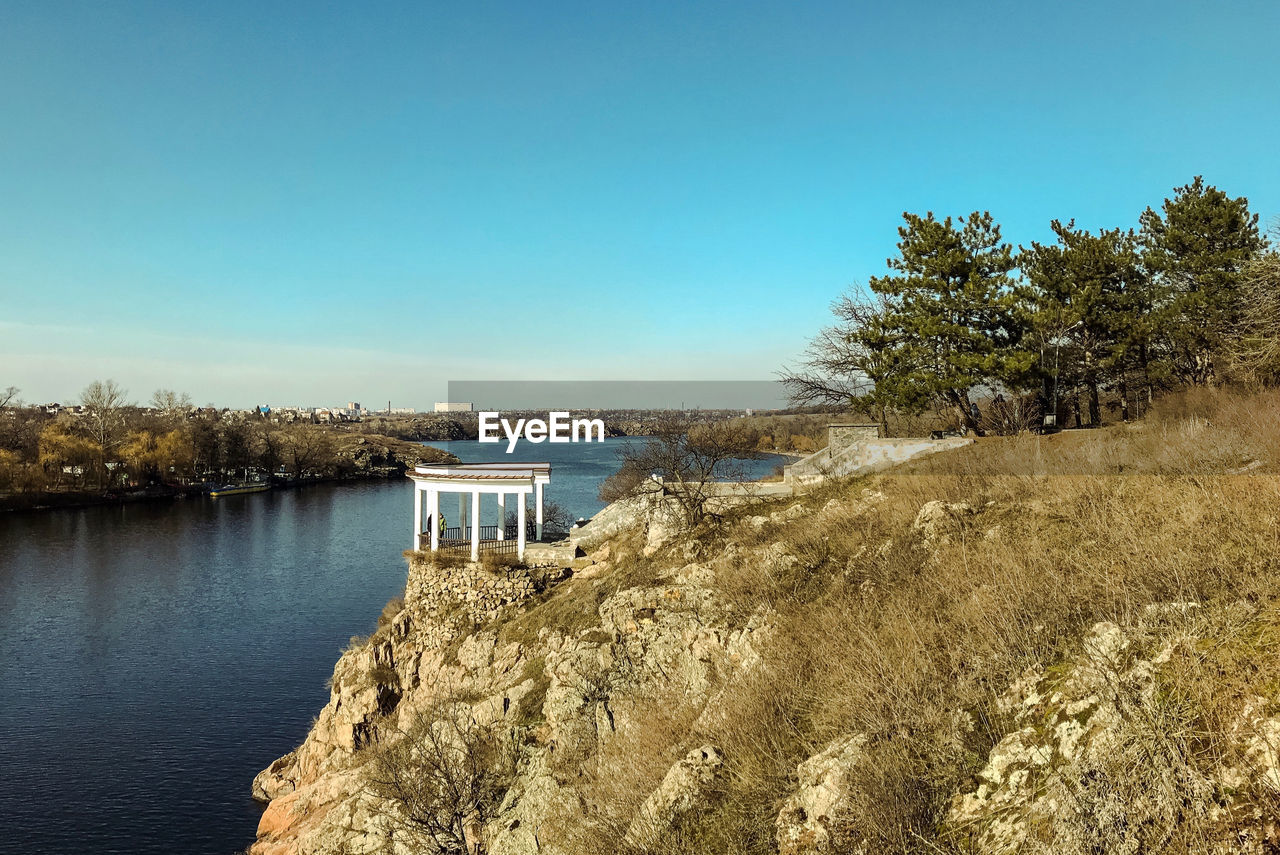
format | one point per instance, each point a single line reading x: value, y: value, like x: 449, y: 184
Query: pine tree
x: 949, y: 314
x: 1086, y: 300
x: 1195, y: 251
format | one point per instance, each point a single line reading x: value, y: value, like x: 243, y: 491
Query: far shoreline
x: 80, y: 500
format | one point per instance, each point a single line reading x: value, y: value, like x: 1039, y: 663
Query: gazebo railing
x: 458, y: 538
x: 500, y: 547
x: 487, y: 532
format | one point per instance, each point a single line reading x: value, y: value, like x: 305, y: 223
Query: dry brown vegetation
x: 570, y: 606
x: 1257, y: 346
x: 911, y: 643
x: 446, y: 776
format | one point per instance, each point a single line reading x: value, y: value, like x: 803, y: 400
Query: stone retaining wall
x: 465, y: 595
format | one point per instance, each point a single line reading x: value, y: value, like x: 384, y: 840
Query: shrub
x: 495, y: 561
x: 393, y: 607
x: 445, y: 773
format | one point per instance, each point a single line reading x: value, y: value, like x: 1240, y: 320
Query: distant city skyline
x: 258, y: 203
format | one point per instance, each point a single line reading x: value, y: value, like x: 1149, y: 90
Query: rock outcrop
x: 813, y: 819
x: 654, y: 515
x: 685, y: 787
x: 365, y: 455
x: 1091, y: 765
x: 554, y: 697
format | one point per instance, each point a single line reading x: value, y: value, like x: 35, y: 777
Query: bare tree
x: 689, y: 457
x: 11, y: 421
x: 446, y: 774
x: 104, y: 403
x: 170, y: 404
x: 556, y: 519
x: 305, y: 448
x: 845, y: 363
x: 1257, y: 339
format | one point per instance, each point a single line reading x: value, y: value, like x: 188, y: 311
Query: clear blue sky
x: 317, y: 202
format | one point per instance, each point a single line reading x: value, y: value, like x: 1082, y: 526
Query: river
x: 154, y: 657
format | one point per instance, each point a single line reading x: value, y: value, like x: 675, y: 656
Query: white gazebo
x: 469, y: 480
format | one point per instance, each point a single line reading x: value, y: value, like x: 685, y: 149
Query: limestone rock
x: 810, y: 820
x: 275, y: 780
x: 557, y: 699
x: 664, y: 524
x: 656, y: 515
x: 676, y: 634
x: 534, y: 808
x: 1092, y: 767
x: 1259, y: 737
x: 580, y: 681
x: 615, y: 519
x: 794, y: 512
x: 693, y: 573
x: 686, y: 786
x: 505, y: 705
x: 935, y: 518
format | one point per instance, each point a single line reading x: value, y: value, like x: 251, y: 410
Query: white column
x: 475, y: 526
x: 433, y: 511
x: 502, y: 516
x: 520, y: 518
x: 537, y: 520
x: 417, y: 516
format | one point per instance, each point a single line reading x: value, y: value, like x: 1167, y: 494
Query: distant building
x: 353, y: 405
x: 401, y: 411
x: 453, y: 406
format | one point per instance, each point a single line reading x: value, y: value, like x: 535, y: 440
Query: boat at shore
x: 238, y: 489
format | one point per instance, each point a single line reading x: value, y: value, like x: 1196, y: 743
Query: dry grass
x: 494, y: 561
x: 393, y: 607
x: 571, y: 606
x: 1198, y: 432
x: 881, y: 634
x: 629, y: 763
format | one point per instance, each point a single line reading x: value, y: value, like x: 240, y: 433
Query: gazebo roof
x: 476, y: 473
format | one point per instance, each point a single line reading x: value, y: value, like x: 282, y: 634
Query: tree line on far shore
x: 106, y: 443
x: 1110, y: 317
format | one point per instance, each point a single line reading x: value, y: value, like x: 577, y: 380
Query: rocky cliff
x: 864, y: 669
x: 557, y: 693
x: 364, y: 455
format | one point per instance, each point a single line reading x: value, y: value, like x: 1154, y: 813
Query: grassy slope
x: 911, y: 643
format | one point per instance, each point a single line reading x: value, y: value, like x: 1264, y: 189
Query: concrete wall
x: 858, y: 450
x: 843, y: 436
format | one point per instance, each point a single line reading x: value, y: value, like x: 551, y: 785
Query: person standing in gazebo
x: 430, y: 521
